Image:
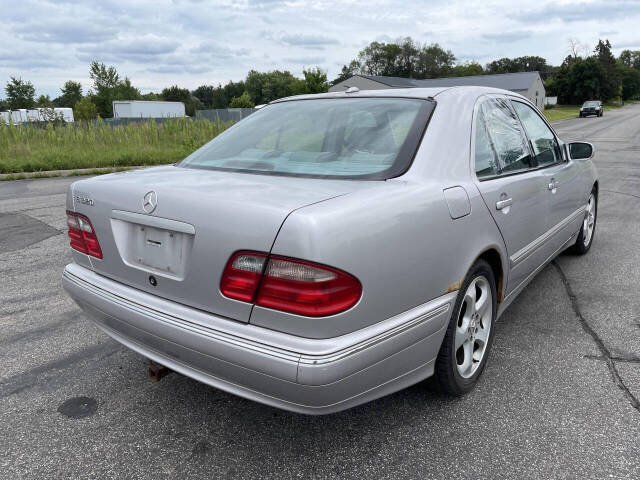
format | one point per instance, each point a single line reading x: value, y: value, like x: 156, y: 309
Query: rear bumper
x: 313, y: 376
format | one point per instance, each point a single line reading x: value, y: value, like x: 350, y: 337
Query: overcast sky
x: 194, y: 42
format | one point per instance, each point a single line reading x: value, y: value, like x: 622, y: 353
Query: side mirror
x: 580, y: 150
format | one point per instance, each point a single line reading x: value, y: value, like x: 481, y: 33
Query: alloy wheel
x: 473, y: 326
x: 589, y: 221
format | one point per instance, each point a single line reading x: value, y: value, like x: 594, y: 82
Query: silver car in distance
x: 331, y: 249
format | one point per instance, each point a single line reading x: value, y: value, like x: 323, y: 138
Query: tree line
x: 581, y: 76
x: 108, y: 85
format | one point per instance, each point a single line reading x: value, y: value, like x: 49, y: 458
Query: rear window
x: 366, y: 138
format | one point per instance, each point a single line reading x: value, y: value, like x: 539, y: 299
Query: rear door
x: 562, y: 178
x: 513, y: 189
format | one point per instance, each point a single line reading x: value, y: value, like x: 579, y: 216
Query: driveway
x: 559, y: 397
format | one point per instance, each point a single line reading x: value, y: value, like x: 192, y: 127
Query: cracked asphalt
x: 559, y: 397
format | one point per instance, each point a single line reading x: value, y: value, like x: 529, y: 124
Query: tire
x: 588, y: 227
x: 454, y: 375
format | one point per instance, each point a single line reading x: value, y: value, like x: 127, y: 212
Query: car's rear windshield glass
x: 367, y: 138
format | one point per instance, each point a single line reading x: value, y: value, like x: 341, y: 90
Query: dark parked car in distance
x: 592, y: 107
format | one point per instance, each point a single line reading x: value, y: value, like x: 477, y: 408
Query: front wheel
x: 465, y: 348
x: 588, y: 227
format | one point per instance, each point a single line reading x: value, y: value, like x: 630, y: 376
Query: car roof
x: 427, y: 93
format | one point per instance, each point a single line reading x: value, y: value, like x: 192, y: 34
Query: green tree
x: 630, y: 82
x: 315, y: 81
x: 205, y: 94
x: 243, y: 101
x: 126, y: 91
x: 610, y: 85
x: 151, y: 97
x: 44, y: 101
x: 630, y: 58
x: 347, y: 71
x: 71, y: 94
x: 551, y: 87
x: 264, y: 87
x: 585, y: 81
x: 85, y: 109
x: 434, y: 62
x: 177, y: 94
x: 527, y: 63
x: 402, y: 58
x: 223, y: 95
x: 20, y: 93
x: 467, y: 69
x: 108, y: 87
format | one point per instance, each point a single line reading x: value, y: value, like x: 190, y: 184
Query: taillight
x: 82, y: 235
x: 289, y: 284
x: 242, y: 275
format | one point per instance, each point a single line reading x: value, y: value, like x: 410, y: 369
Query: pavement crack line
x: 620, y: 193
x: 604, y: 351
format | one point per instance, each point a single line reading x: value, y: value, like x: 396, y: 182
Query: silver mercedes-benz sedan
x: 331, y: 249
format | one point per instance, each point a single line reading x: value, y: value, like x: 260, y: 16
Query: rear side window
x: 366, y: 138
x: 500, y: 144
x: 543, y: 141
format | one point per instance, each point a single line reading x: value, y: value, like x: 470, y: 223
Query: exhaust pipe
x: 157, y: 372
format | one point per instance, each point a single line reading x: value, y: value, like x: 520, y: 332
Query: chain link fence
x: 224, y: 115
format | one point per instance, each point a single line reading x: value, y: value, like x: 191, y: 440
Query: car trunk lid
x: 175, y: 242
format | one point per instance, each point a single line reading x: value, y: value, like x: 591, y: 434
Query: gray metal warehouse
x: 528, y: 84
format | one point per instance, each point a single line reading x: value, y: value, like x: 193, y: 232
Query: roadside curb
x: 67, y: 173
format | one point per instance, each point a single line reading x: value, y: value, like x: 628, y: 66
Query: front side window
x: 367, y: 138
x: 500, y: 145
x: 544, y: 143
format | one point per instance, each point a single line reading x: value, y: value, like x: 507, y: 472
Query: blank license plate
x: 159, y: 249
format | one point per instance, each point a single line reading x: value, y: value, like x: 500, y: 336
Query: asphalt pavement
x: 559, y: 397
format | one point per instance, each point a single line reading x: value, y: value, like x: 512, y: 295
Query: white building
x: 527, y: 84
x: 147, y: 109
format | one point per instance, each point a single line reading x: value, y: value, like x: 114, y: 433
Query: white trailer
x: 18, y: 116
x: 36, y: 115
x: 147, y: 109
x: 33, y: 115
x: 65, y: 113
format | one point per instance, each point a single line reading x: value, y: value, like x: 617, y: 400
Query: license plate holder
x: 150, y: 247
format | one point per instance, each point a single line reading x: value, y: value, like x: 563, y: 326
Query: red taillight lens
x: 242, y: 275
x: 82, y: 235
x: 289, y: 284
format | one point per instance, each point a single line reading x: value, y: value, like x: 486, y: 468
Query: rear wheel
x: 588, y: 227
x: 468, y: 339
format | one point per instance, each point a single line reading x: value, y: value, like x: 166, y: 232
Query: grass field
x: 27, y: 148
x: 560, y: 112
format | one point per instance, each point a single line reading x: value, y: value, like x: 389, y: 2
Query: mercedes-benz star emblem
x: 149, y: 201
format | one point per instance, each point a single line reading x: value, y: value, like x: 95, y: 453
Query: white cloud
x: 158, y: 43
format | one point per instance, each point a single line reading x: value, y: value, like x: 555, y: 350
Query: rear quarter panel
x: 397, y: 238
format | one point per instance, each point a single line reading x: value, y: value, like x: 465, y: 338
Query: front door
x: 514, y: 191
x: 566, y: 207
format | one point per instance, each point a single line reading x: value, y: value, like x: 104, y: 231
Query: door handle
x: 500, y: 204
x: 553, y: 184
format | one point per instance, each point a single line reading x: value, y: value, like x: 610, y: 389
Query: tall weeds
x: 32, y: 148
